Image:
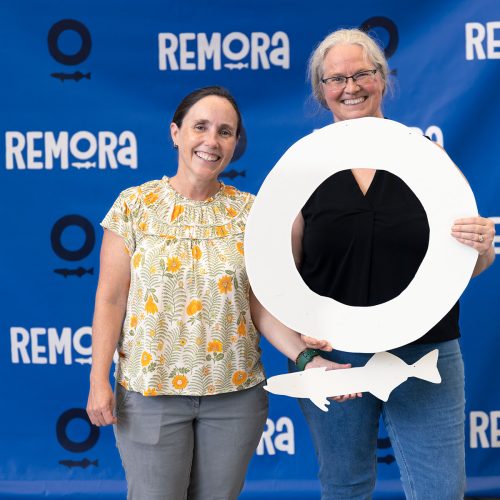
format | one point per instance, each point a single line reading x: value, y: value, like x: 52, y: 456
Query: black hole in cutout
x: 362, y: 250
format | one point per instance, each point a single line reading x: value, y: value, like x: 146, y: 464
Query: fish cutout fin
x: 321, y: 402
x: 382, y: 392
x: 426, y: 367
x: 382, y: 359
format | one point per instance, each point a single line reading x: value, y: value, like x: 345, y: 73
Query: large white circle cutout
x: 443, y: 274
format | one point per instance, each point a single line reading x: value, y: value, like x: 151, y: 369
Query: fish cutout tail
x: 321, y: 402
x: 426, y: 367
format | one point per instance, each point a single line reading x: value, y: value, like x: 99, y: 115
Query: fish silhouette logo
x: 79, y: 463
x: 79, y: 271
x: 380, y: 376
x: 76, y: 76
x: 387, y: 459
x: 239, y: 65
x: 232, y: 174
x: 83, y: 164
x: 83, y: 361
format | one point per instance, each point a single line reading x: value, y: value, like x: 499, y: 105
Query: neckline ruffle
x: 162, y: 211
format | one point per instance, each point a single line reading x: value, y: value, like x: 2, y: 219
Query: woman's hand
x: 312, y: 343
x: 476, y: 232
x: 319, y: 362
x: 101, y: 403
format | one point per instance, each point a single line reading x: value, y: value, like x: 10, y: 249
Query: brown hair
x: 192, y: 98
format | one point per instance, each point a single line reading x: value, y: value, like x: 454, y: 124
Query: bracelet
x: 304, y: 357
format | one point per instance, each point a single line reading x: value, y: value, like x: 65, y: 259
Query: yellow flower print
x: 143, y: 226
x: 196, y: 252
x: 150, y: 198
x: 182, y: 342
x: 124, y: 383
x: 150, y: 392
x: 234, y: 338
x: 242, y: 329
x: 229, y: 191
x: 133, y: 321
x: 151, y: 307
x: 225, y: 284
x: 137, y: 260
x: 173, y: 264
x: 178, y: 209
x: 239, y: 247
x: 179, y: 382
x: 214, y: 346
x: 146, y: 358
x: 126, y: 209
x: 160, y: 345
x: 193, y: 307
x: 229, y: 318
x: 127, y: 251
x: 162, y: 360
x: 199, y: 341
x: 206, y: 371
x: 221, y: 231
x: 159, y: 386
x: 231, y: 212
x: 211, y: 389
x: 239, y: 377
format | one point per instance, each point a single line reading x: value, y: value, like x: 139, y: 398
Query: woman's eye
x: 199, y: 127
x: 226, y: 133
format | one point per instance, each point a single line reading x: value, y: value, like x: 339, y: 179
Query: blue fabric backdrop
x: 87, y: 92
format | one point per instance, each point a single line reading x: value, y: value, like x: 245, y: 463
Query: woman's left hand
x: 477, y: 232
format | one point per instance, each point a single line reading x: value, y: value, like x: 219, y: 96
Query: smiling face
x: 353, y: 101
x: 206, y: 139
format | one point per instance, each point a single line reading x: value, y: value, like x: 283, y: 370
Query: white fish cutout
x: 380, y: 376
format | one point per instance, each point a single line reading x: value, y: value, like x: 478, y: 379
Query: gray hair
x: 353, y: 36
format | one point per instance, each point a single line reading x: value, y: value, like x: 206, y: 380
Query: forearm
x: 484, y: 261
x: 106, y: 330
x: 286, y: 340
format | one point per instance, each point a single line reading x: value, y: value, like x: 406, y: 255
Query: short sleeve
x: 119, y: 220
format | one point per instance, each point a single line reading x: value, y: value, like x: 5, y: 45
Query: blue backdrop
x: 87, y: 92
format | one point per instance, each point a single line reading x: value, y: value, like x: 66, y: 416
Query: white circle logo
x: 442, y: 276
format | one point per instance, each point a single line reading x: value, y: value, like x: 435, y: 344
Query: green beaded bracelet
x: 304, y: 357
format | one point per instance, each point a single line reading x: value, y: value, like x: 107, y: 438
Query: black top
x: 363, y: 250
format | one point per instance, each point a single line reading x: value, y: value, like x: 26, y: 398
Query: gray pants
x: 178, y: 447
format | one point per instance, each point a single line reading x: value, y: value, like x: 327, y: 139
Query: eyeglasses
x: 340, y: 81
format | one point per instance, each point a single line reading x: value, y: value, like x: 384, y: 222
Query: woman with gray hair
x: 360, y: 239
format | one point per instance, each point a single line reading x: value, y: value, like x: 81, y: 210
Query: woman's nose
x: 211, y: 138
x: 351, y: 86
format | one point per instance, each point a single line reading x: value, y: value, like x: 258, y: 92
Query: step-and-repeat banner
x: 87, y: 93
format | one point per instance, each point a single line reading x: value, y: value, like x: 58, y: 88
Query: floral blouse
x: 187, y: 328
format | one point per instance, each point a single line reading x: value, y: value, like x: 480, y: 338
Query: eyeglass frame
x: 328, y: 81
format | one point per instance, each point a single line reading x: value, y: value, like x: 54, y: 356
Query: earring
x: 175, y: 146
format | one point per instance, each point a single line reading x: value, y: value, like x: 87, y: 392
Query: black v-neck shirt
x: 364, y: 249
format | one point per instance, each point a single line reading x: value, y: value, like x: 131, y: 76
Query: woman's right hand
x: 312, y: 343
x: 101, y: 403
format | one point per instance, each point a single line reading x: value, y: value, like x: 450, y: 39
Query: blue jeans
x: 425, y: 423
